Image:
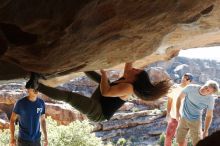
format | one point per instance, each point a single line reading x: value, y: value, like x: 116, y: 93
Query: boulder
x: 62, y: 38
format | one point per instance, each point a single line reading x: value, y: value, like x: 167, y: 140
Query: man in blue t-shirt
x: 196, y: 98
x: 30, y: 112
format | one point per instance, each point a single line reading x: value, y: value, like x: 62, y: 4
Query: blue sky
x: 212, y: 53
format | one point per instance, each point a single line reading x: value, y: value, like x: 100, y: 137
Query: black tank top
x: 111, y: 104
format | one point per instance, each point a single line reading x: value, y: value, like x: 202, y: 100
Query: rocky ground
x: 140, y: 123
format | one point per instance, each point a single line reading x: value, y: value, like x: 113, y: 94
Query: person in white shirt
x: 171, y: 107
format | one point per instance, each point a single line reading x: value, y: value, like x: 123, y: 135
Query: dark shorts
x: 22, y: 142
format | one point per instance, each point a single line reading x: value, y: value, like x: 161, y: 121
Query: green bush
x: 135, y: 109
x: 75, y: 134
x: 4, y: 137
x: 162, y: 139
x: 121, y: 142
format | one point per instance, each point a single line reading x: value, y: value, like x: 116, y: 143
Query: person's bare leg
x: 182, y: 143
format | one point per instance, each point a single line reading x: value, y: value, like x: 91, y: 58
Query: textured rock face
x: 60, y: 37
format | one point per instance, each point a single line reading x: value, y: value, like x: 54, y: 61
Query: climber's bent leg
x: 91, y: 108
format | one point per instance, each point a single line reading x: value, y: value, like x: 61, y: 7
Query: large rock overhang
x: 65, y: 36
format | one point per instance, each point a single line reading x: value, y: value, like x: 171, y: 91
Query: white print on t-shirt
x: 39, y: 110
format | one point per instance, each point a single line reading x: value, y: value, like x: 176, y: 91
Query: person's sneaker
x: 33, y: 81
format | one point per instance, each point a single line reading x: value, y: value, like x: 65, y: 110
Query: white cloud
x: 212, y: 53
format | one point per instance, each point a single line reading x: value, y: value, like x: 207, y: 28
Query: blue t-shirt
x: 194, y: 102
x: 29, y: 118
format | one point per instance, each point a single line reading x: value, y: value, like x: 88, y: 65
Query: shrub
x: 121, y: 142
x: 75, y: 134
x: 162, y: 139
x: 135, y: 109
x: 4, y: 137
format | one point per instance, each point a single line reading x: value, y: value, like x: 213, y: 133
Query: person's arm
x: 169, y: 105
x: 128, y: 66
x: 179, y: 99
x: 119, y: 90
x: 208, y: 121
x: 44, y: 128
x: 13, y: 118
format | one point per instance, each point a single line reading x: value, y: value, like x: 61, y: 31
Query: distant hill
x: 202, y: 70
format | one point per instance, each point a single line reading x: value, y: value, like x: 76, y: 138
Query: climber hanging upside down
x: 148, y: 84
